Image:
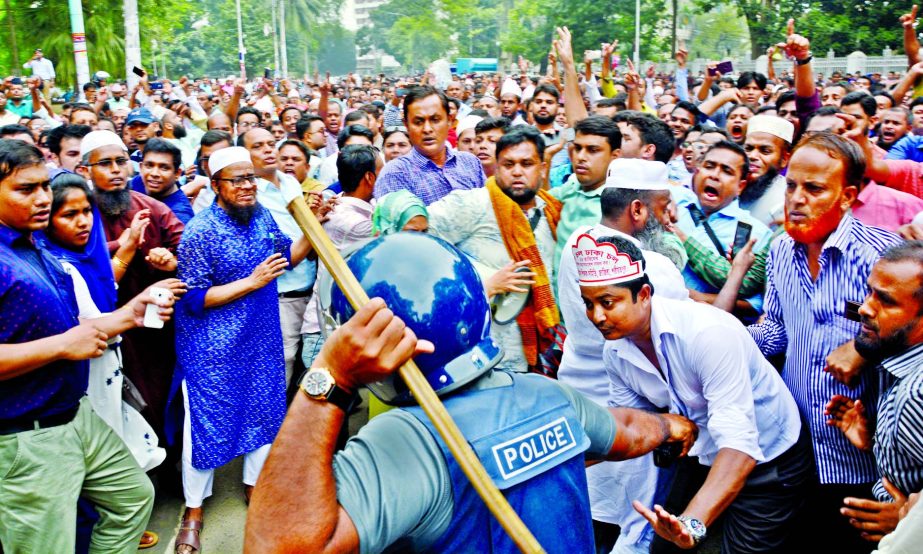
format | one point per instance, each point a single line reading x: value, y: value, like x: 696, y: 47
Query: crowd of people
x: 656, y: 305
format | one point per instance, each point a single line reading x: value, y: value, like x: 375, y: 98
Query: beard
x: 815, y: 230
x: 520, y: 197
x: 652, y: 235
x: 241, y: 214
x: 179, y: 131
x: 875, y: 349
x: 546, y: 120
x: 112, y: 203
x: 755, y: 190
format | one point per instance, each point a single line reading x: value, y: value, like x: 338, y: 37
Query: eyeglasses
x: 241, y: 182
x: 120, y: 162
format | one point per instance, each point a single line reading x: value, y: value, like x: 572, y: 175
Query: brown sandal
x: 189, y: 535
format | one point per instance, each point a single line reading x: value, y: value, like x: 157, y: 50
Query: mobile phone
x: 152, y: 311
x: 667, y: 453
x: 267, y: 73
x: 137, y: 71
x: 156, y: 86
x: 725, y: 67
x: 741, y: 236
x: 851, y: 311
x: 401, y: 92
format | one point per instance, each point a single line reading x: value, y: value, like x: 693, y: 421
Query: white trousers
x: 197, y: 483
x: 291, y: 316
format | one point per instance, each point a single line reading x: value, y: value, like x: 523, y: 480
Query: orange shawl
x: 540, y: 316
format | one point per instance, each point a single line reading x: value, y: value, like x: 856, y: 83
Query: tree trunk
x: 132, y: 41
x: 14, y: 48
x: 283, y: 48
x: 673, y: 25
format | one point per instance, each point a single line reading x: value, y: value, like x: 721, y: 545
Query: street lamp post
x: 79, y: 38
x: 637, y: 54
x: 241, y: 51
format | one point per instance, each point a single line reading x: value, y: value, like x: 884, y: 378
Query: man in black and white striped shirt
x: 891, y: 332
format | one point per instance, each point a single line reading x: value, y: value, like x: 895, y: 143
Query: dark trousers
x: 605, y: 535
x: 764, y: 513
x: 822, y: 521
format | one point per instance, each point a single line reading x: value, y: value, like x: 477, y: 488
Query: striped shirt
x: 899, y: 433
x: 429, y: 182
x: 804, y: 319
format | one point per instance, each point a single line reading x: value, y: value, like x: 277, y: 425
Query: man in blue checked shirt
x: 823, y: 263
x: 431, y: 169
x: 892, y: 332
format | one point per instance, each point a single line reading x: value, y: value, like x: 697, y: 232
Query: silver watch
x: 695, y: 527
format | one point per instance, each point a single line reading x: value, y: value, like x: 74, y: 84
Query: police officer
x: 396, y: 485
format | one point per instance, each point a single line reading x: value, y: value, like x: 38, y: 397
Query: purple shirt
x: 429, y: 182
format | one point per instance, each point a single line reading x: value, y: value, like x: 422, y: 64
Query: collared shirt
x: 804, y: 319
x: 429, y: 182
x: 885, y: 207
x: 905, y: 176
x: 350, y: 221
x: 332, y: 146
x: 580, y: 208
x: 712, y: 373
x: 899, y: 429
x: 724, y: 224
x: 909, y: 147
x: 466, y: 218
x: 41, y: 67
x: 271, y: 197
x: 24, y: 109
x: 36, y: 301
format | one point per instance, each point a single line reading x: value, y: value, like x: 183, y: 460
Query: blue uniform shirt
x: 36, y: 301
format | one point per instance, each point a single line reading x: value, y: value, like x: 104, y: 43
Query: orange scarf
x: 540, y: 316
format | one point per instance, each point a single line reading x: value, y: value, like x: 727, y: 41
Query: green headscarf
x: 395, y: 209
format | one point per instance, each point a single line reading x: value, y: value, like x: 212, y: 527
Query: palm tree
x: 302, y: 14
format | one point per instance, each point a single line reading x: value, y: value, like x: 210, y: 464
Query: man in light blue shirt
x: 295, y: 285
x: 713, y: 216
x: 693, y: 359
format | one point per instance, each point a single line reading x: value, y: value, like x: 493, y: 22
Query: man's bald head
x: 219, y: 122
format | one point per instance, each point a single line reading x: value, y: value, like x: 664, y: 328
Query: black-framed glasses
x: 240, y: 182
x: 120, y: 162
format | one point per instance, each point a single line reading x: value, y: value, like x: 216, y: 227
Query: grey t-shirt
x: 393, y: 481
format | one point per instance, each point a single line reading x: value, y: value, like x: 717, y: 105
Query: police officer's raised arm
x: 370, y: 346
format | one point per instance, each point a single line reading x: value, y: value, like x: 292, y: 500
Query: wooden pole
x: 420, y: 387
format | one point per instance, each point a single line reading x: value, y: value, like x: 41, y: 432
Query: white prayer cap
x: 224, y: 157
x: 510, y: 87
x: 637, y: 174
x: 467, y: 122
x: 601, y: 263
x: 529, y: 92
x: 98, y: 139
x: 773, y: 125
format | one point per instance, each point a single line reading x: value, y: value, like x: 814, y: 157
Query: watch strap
x: 342, y: 399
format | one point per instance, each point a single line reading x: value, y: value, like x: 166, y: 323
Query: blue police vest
x: 530, y: 441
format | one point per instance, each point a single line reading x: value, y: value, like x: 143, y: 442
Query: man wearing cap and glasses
x: 142, y: 126
x: 635, y: 200
x: 229, y: 339
x: 692, y: 359
x: 149, y: 354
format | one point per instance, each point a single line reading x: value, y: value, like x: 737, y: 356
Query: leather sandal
x: 148, y: 539
x: 189, y: 535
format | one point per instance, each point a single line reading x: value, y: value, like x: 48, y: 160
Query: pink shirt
x: 350, y: 221
x: 905, y: 176
x: 885, y: 207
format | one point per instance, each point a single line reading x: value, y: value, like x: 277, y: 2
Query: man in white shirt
x: 696, y: 360
x: 41, y: 67
x: 634, y: 201
x: 351, y: 219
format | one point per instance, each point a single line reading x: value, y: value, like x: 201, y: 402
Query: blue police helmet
x: 436, y: 291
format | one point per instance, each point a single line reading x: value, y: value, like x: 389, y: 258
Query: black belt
x: 296, y: 293
x: 13, y: 426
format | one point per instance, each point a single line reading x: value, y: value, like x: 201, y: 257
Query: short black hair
x: 391, y: 130
x: 354, y: 162
x: 301, y: 128
x: 213, y: 137
x: 371, y: 109
x: 161, y: 146
x: 601, y: 126
x: 866, y: 102
x: 654, y: 131
x: 14, y: 129
x: 625, y: 246
x: 884, y: 93
x: 909, y: 251
x: 785, y: 97
x: 489, y: 123
x: 354, y: 130
x: 547, y: 88
x: 689, y: 107
x: 249, y: 110
x: 16, y: 154
x: 289, y: 108
x: 355, y: 115
x: 615, y: 102
x: 737, y: 149
x: 299, y: 145
x: 916, y: 102
x: 748, y: 77
x: 520, y: 134
x: 419, y: 93
x: 61, y: 132
x: 838, y: 148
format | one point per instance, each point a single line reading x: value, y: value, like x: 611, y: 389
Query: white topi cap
x: 637, y: 174
x: 98, y: 139
x: 510, y: 87
x: 228, y: 156
x: 528, y: 92
x: 467, y: 122
x: 773, y: 125
x: 600, y: 264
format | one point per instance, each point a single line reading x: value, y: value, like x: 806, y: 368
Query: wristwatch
x: 806, y: 60
x: 695, y: 527
x: 318, y: 384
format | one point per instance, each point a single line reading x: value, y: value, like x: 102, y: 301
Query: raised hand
x: 909, y: 20
x: 563, y: 46
x: 796, y: 46
x: 681, y: 56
